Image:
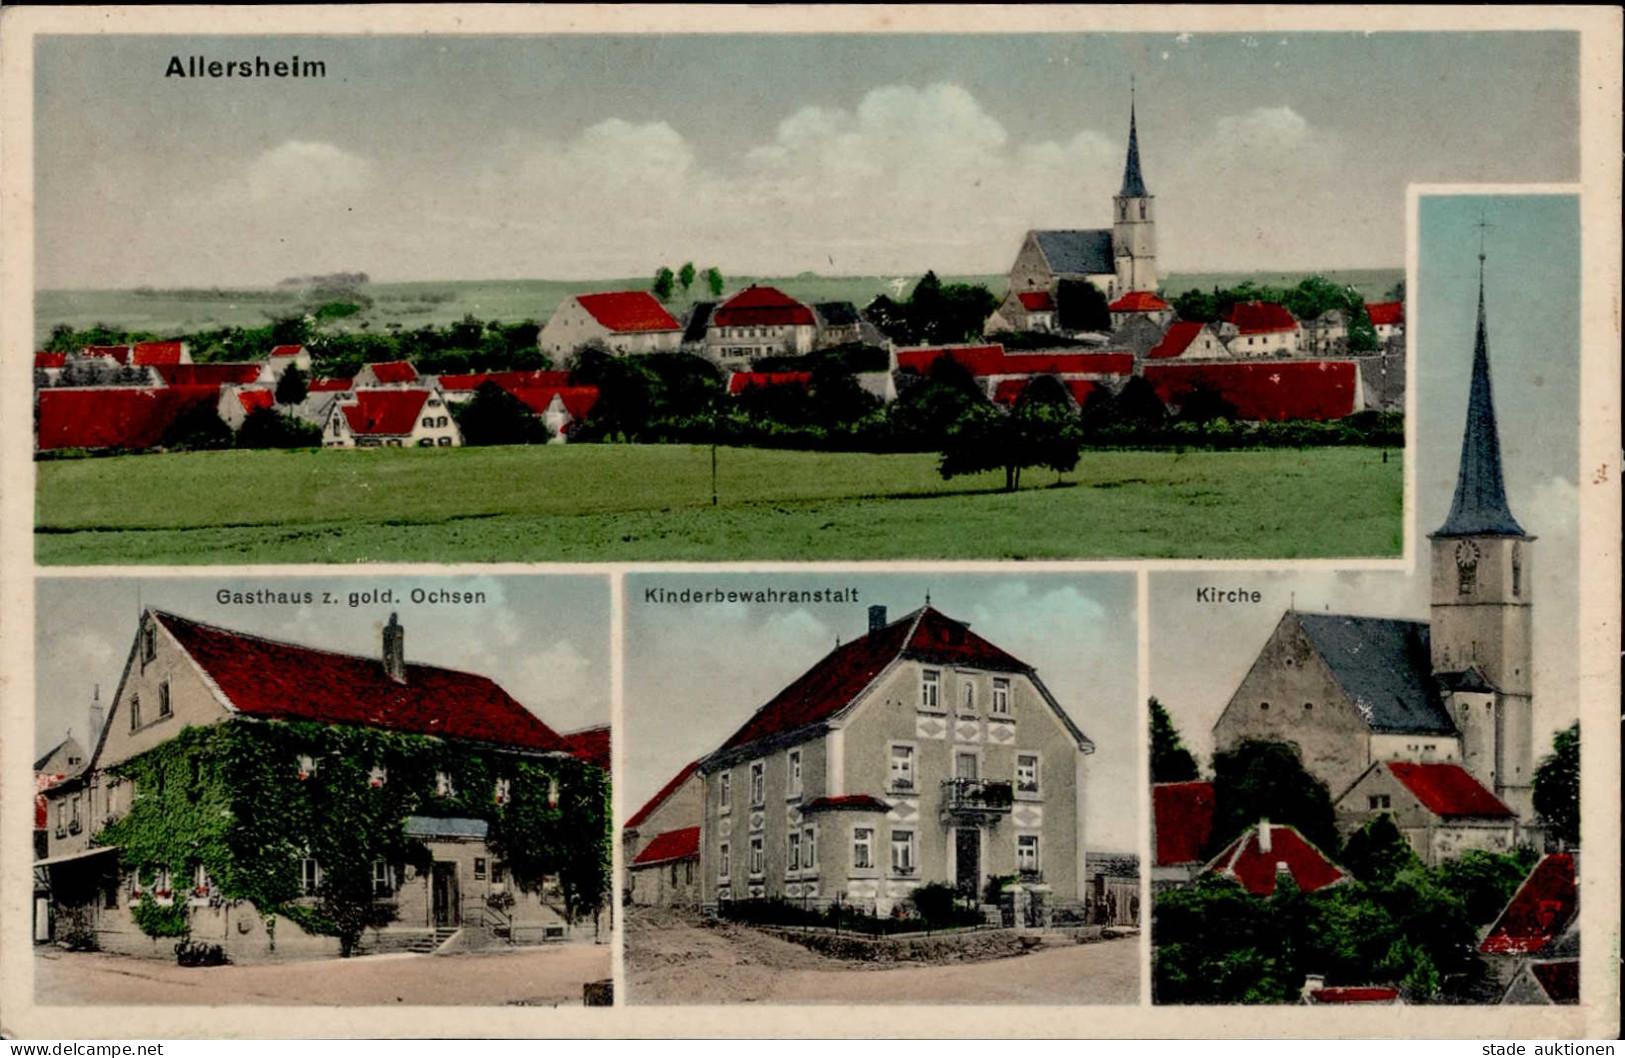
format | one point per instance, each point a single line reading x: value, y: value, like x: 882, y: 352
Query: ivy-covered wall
x: 232, y: 797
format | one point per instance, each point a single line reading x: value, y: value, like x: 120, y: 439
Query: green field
x: 586, y: 503
x: 413, y: 305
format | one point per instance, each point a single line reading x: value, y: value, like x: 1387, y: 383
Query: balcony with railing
x: 976, y: 799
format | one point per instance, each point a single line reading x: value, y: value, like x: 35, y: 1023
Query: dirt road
x: 671, y: 959
x: 548, y: 976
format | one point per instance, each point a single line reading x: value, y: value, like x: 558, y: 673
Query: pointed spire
x: 1480, y: 507
x: 1133, y: 182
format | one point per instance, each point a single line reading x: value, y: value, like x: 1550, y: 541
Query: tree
x: 198, y: 428
x: 290, y: 330
x: 1080, y: 306
x: 713, y: 281
x: 1377, y: 852
x: 269, y: 428
x: 1205, y: 404
x: 496, y: 417
x: 1266, y: 780
x: 1362, y: 335
x: 1396, y: 292
x: 1031, y: 435
x: 292, y: 387
x: 1557, y: 786
x: 663, y: 284
x: 1485, y: 881
x: 1138, y: 405
x: 685, y: 275
x: 1170, y: 760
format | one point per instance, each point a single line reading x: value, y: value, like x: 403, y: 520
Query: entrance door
x: 968, y: 861
x: 447, y: 906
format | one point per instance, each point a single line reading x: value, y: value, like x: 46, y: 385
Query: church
x: 1430, y: 722
x: 1118, y: 260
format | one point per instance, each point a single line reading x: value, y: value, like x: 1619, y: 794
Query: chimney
x: 395, y: 650
x: 877, y: 618
x: 95, y: 716
x: 1264, y: 836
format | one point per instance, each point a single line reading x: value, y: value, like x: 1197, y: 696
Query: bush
x: 196, y: 953
x: 993, y: 890
x: 935, y: 901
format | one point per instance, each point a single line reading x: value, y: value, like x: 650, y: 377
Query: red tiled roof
x: 47, y: 359
x: 207, y: 374
x: 1367, y: 994
x: 660, y: 796
x: 672, y: 845
x: 1539, y: 911
x: 394, y: 371
x: 848, y: 803
x: 385, y: 411
x: 1037, y: 301
x: 154, y: 353
x: 1260, y: 317
x: 740, y: 381
x: 329, y: 385
x: 1386, y: 313
x: 977, y: 359
x: 629, y: 311
x: 1448, y: 790
x: 762, y: 307
x: 832, y: 684
x: 121, y: 353
x: 273, y: 680
x: 1183, y: 812
x: 253, y: 400
x: 591, y: 745
x: 1560, y: 980
x: 508, y: 380
x: 984, y: 360
x: 1267, y: 390
x: 1176, y: 340
x: 1138, y: 301
x: 114, y: 417
x: 577, y: 400
x: 1245, y: 862
x: 286, y: 350
x: 1081, y: 389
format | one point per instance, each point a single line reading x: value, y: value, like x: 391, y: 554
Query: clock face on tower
x: 1467, y: 554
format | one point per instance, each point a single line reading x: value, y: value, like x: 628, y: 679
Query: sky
x: 440, y: 158
x: 1200, y: 652
x: 543, y: 639
x: 695, y: 674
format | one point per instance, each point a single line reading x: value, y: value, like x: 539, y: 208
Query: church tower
x: 1134, y: 232
x: 1481, y: 580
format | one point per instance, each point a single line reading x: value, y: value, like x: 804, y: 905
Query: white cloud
x: 299, y: 170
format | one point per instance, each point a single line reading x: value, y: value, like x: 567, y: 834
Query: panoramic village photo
x: 881, y: 789
x: 881, y: 304
x: 1366, y: 785
x: 323, y: 791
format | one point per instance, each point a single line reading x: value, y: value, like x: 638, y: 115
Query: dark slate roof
x: 1469, y: 679
x: 699, y: 318
x: 431, y: 827
x: 1078, y: 252
x: 837, y: 313
x: 1480, y: 507
x: 1133, y: 182
x: 1385, y: 667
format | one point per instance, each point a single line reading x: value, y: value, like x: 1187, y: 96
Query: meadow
x: 174, y: 313
x: 633, y: 503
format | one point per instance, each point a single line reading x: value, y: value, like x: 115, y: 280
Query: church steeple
x: 1133, y: 182
x: 1480, y: 505
x: 1134, y: 231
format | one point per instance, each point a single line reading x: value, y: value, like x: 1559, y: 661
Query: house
x: 49, y: 365
x: 220, y: 746
x: 158, y: 354
x: 561, y: 408
x: 838, y: 323
x: 1439, y: 807
x: 123, y: 417
x: 1138, y: 334
x: 1534, y: 944
x: 237, y: 403
x: 1387, y: 318
x: 460, y: 388
x: 1262, y: 391
x: 1327, y: 333
x: 625, y: 322
x: 917, y: 752
x: 993, y: 367
x: 1267, y: 852
x: 1259, y: 328
x: 390, y: 418
x: 758, y: 322
x: 590, y: 744
x: 1024, y: 310
x: 1188, y: 340
x: 283, y: 357
x: 1140, y: 304
x: 217, y: 374
x: 1181, y: 826
x: 388, y: 373
x: 660, y: 843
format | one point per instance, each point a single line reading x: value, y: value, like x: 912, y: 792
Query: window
x: 73, y: 815
x: 160, y: 882
x: 1142, y: 210
x: 503, y: 792
x: 902, y: 767
x: 1263, y: 707
x: 443, y: 786
x: 479, y: 866
x: 1001, y: 696
x: 674, y: 872
x: 163, y: 700
x: 722, y: 862
x: 688, y: 872
x: 1027, y: 773
x: 795, y: 773
x: 725, y: 791
x: 792, y: 856
x: 967, y: 698
x: 307, y: 766
x: 149, y: 644
x: 201, y: 882
x: 1027, y: 853
x: 965, y: 766
x: 310, y: 876
x: 902, y: 851
x: 1378, y: 801
x: 1517, y: 570
x: 758, y: 783
x: 863, y: 839
x: 135, y: 711
x: 61, y: 819
x: 758, y: 859
x: 809, y: 848
x: 552, y: 792
x: 382, y: 883
x: 929, y: 679
x: 1308, y: 706
x: 378, y: 776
